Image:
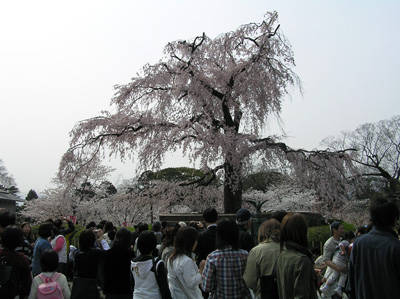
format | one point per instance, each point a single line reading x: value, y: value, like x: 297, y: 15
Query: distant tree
x: 211, y: 98
x: 377, y: 152
x: 108, y: 188
x: 31, y: 195
x: 7, y: 182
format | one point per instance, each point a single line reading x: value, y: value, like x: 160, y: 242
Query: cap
x: 242, y: 216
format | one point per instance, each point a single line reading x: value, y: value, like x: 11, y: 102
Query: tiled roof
x: 9, y: 196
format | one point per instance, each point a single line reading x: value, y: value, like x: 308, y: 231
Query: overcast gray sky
x: 60, y: 60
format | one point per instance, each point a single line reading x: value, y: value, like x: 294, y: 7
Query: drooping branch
x: 206, y: 179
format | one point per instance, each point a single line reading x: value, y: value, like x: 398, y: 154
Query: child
x: 150, y: 277
x: 340, y: 258
x: 49, y: 264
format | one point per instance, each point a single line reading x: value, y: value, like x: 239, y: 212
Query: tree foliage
x: 210, y: 98
x: 377, y: 152
x: 7, y: 182
x: 31, y: 195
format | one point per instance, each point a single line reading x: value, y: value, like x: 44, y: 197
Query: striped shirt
x: 223, y: 274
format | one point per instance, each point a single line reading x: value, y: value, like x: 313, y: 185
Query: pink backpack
x: 50, y: 288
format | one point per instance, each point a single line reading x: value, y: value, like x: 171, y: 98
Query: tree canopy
x: 377, y: 152
x: 210, y: 98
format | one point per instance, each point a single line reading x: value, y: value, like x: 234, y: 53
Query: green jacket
x: 295, y: 275
x: 260, y: 262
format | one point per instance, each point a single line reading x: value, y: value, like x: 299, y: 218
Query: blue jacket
x: 40, y: 246
x: 374, y: 270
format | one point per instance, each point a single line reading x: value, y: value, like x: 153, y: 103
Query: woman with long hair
x: 86, y: 268
x: 183, y: 274
x: 295, y: 272
x: 117, y: 267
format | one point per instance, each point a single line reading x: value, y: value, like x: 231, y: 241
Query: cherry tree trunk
x: 232, y: 189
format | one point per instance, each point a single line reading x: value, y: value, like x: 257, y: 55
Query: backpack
x: 8, y: 279
x: 50, y: 288
x: 161, y: 277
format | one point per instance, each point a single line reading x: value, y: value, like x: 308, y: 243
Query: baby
x: 340, y: 258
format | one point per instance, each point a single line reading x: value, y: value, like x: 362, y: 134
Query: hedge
x: 318, y: 235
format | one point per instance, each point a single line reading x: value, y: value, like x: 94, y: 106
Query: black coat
x: 206, y: 243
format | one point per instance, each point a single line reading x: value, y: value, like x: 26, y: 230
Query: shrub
x: 318, y: 235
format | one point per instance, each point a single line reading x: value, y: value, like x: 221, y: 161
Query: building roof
x: 8, y: 196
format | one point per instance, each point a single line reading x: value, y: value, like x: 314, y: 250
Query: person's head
x: 58, y: 223
x: 169, y: 236
x: 227, y: 234
x: 102, y: 223
x: 6, y: 218
x: 91, y: 225
x: 109, y: 226
x: 12, y: 237
x: 26, y: 228
x: 349, y: 236
x: 182, y: 224
x: 122, y: 238
x: 243, y: 218
x: 111, y: 234
x: 361, y: 230
x: 210, y: 215
x: 384, y: 212
x: 156, y: 226
x: 147, y: 242
x: 344, y: 247
x: 45, y: 230
x: 142, y: 227
x: 337, y: 229
x: 269, y: 230
x: 86, y: 239
x: 49, y: 260
x: 164, y: 224
x: 294, y: 229
x: 185, y: 241
x: 278, y: 215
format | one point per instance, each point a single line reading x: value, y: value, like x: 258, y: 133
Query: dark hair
x: 169, y: 236
x: 363, y: 229
x: 58, y: 223
x: 109, y: 226
x: 294, y: 229
x: 164, y: 224
x: 49, y: 260
x: 45, y: 230
x: 384, y: 212
x: 111, y: 234
x: 12, y: 237
x: 146, y: 242
x: 184, y: 240
x: 349, y: 236
x: 91, y: 224
x: 227, y: 234
x: 101, y: 224
x: 269, y: 230
x: 86, y: 239
x: 335, y: 226
x: 143, y: 227
x: 122, y: 238
x: 30, y: 235
x: 278, y: 215
x: 156, y: 226
x: 210, y: 215
x: 6, y: 218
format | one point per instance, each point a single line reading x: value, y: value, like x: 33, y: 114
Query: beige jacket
x: 260, y: 262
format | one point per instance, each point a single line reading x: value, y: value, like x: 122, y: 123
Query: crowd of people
x: 215, y: 258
